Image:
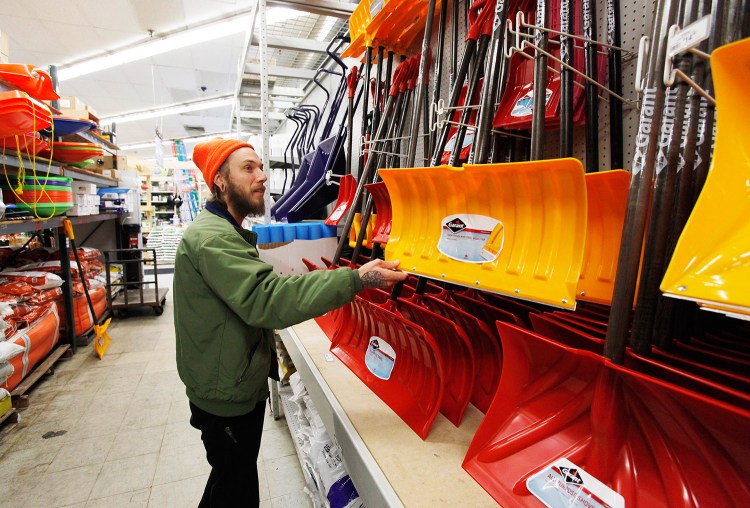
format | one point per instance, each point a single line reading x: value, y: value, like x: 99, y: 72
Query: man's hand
x: 380, y: 274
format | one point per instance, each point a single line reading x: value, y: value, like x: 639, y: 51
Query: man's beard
x: 241, y: 203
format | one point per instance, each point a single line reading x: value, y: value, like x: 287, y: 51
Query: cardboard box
x: 73, y: 107
x: 111, y: 162
x: 84, y: 188
x: 77, y: 211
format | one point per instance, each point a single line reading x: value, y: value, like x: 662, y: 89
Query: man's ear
x: 219, y: 181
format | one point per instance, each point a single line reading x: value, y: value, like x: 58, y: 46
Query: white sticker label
x: 690, y: 36
x: 471, y: 238
x: 525, y: 105
x: 338, y: 212
x: 563, y: 484
x: 468, y: 139
x: 380, y: 358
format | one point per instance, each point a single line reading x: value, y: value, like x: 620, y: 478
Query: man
x: 227, y: 303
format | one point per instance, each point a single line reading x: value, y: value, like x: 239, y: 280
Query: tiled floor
x: 115, y: 432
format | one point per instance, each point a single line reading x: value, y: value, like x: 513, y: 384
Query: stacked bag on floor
x: 31, y: 306
x: 321, y: 454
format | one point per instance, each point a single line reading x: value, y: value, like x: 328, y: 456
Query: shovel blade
x: 607, y: 194
x: 707, y: 265
x: 517, y: 229
x: 102, y: 340
x: 395, y: 358
x: 382, y: 200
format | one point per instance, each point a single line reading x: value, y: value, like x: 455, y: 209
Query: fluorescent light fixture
x: 170, y: 109
x: 186, y: 140
x: 176, y: 40
x: 155, y: 46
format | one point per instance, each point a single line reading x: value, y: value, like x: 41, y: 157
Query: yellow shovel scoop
x: 711, y: 263
x: 101, y: 343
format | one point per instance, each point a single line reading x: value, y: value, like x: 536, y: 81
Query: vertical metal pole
x: 615, y: 83
x: 421, y: 85
x: 647, y: 141
x: 454, y: 43
x: 480, y: 152
x: 437, y: 75
x: 541, y: 39
x: 567, y: 22
x: 591, y: 67
x: 67, y: 292
x: 264, y: 101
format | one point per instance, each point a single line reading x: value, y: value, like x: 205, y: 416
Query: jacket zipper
x: 247, y: 367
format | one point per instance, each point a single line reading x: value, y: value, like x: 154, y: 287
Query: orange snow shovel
x: 102, y: 338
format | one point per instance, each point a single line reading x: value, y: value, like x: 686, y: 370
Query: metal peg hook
x: 671, y: 74
x: 572, y: 69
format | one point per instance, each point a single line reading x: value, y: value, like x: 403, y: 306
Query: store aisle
x: 115, y: 432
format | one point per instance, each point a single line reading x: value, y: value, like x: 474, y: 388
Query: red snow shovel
x: 382, y: 230
x: 398, y: 360
x: 541, y: 412
x: 454, y: 346
x: 488, y: 356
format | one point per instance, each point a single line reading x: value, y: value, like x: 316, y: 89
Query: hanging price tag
x: 690, y: 36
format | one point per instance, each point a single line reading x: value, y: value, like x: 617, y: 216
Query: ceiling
x: 47, y: 32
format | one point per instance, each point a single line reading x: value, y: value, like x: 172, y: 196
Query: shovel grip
x: 351, y: 81
x: 481, y: 17
x: 69, y: 229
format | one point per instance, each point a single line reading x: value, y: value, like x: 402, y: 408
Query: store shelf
x: 372, y: 485
x: 388, y: 463
x: 98, y: 140
x: 11, y: 162
x: 10, y: 227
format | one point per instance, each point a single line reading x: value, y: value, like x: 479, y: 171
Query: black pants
x: 232, y: 445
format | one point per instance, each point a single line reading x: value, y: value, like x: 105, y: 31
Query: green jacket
x: 227, y: 303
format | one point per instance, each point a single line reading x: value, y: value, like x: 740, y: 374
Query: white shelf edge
x: 372, y: 485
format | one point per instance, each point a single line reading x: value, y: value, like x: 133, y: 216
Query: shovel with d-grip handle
x: 101, y: 343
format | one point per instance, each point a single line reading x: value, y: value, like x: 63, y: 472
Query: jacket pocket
x: 248, y: 362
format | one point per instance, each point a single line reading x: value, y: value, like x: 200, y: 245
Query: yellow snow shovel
x: 101, y: 343
x: 607, y: 194
x: 518, y: 229
x: 711, y: 262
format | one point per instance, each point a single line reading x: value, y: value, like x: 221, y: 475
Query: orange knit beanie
x: 209, y: 156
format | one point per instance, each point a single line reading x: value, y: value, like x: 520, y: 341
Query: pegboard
x: 635, y: 16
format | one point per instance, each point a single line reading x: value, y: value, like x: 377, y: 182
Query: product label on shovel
x: 380, y: 358
x: 563, y: 484
x: 471, y: 238
x: 525, y: 105
x: 338, y: 212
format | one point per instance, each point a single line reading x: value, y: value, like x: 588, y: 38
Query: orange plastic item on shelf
x: 38, y: 338
x: 81, y: 309
x: 29, y: 78
x: 27, y: 144
x: 20, y: 114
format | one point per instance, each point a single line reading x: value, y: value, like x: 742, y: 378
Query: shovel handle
x: 69, y: 229
x: 351, y: 81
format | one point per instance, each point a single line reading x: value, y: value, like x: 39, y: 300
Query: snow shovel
x: 607, y: 196
x: 347, y: 183
x: 706, y: 266
x: 395, y: 358
x: 570, y: 335
x: 516, y: 229
x: 382, y: 228
x: 542, y: 412
x: 101, y: 342
x: 488, y: 355
x: 454, y: 346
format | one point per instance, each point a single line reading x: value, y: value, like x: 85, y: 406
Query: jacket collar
x: 220, y: 210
